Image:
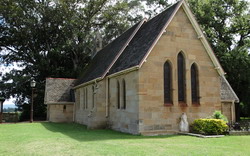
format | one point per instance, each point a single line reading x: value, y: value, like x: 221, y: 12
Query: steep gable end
x: 143, y: 41
x: 227, y: 93
x: 149, y: 34
x: 203, y: 39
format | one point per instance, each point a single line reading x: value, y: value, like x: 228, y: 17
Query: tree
x: 226, y: 25
x: 53, y: 38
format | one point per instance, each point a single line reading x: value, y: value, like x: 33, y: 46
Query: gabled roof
x: 104, y: 59
x: 143, y: 41
x: 132, y: 48
x: 226, y: 91
x: 129, y: 48
x: 58, y: 91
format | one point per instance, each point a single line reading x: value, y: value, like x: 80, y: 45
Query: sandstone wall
x: 60, y: 112
x: 124, y: 120
x: 92, y: 115
x: 154, y: 116
x: 228, y: 110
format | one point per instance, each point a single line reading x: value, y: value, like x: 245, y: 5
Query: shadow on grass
x: 81, y: 133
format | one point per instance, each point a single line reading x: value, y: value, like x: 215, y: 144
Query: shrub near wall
x: 209, y: 126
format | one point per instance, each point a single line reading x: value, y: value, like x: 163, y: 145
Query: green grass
x: 60, y: 139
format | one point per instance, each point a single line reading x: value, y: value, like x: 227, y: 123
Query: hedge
x: 209, y: 126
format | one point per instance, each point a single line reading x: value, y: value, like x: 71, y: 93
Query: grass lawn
x: 60, y: 139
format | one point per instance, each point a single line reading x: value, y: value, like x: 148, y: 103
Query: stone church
x: 144, y: 80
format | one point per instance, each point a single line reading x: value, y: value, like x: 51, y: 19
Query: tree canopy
x: 49, y: 38
x: 226, y: 23
x: 56, y: 38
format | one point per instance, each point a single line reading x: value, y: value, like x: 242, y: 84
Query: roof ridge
x: 143, y: 41
x: 124, y: 47
x: 179, y: 3
x: 165, y: 10
x: 99, y: 66
x: 117, y: 37
x: 61, y: 78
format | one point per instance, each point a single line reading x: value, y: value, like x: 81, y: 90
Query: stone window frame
x: 93, y: 96
x: 86, y: 98
x: 118, y: 94
x: 170, y: 89
x: 81, y: 99
x: 195, y: 100
x: 181, y: 80
x: 121, y: 94
x: 77, y: 92
x: 124, y: 95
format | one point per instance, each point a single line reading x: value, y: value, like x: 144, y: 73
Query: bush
x: 209, y: 126
x: 219, y: 115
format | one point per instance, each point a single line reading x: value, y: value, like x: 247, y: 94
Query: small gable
x: 227, y: 93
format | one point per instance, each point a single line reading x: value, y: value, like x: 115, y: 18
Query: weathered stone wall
x: 154, y: 116
x: 58, y: 90
x: 60, y: 112
x: 124, y: 120
x: 91, y: 111
x: 228, y: 110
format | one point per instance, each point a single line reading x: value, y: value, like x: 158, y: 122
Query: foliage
x: 11, y: 116
x: 51, y: 38
x: 219, y: 115
x: 226, y: 25
x: 209, y: 126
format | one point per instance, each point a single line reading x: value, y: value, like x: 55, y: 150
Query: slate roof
x: 142, y: 41
x: 105, y: 57
x: 227, y: 93
x: 58, y: 90
x: 133, y: 53
x: 143, y: 37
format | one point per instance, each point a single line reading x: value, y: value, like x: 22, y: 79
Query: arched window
x: 78, y: 99
x: 118, y: 95
x: 86, y: 97
x: 93, y: 96
x: 194, y: 83
x: 181, y: 77
x: 81, y: 99
x: 124, y: 93
x: 167, y: 83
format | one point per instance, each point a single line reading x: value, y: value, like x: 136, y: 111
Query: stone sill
x: 183, y: 104
x: 168, y: 104
x: 196, y: 104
